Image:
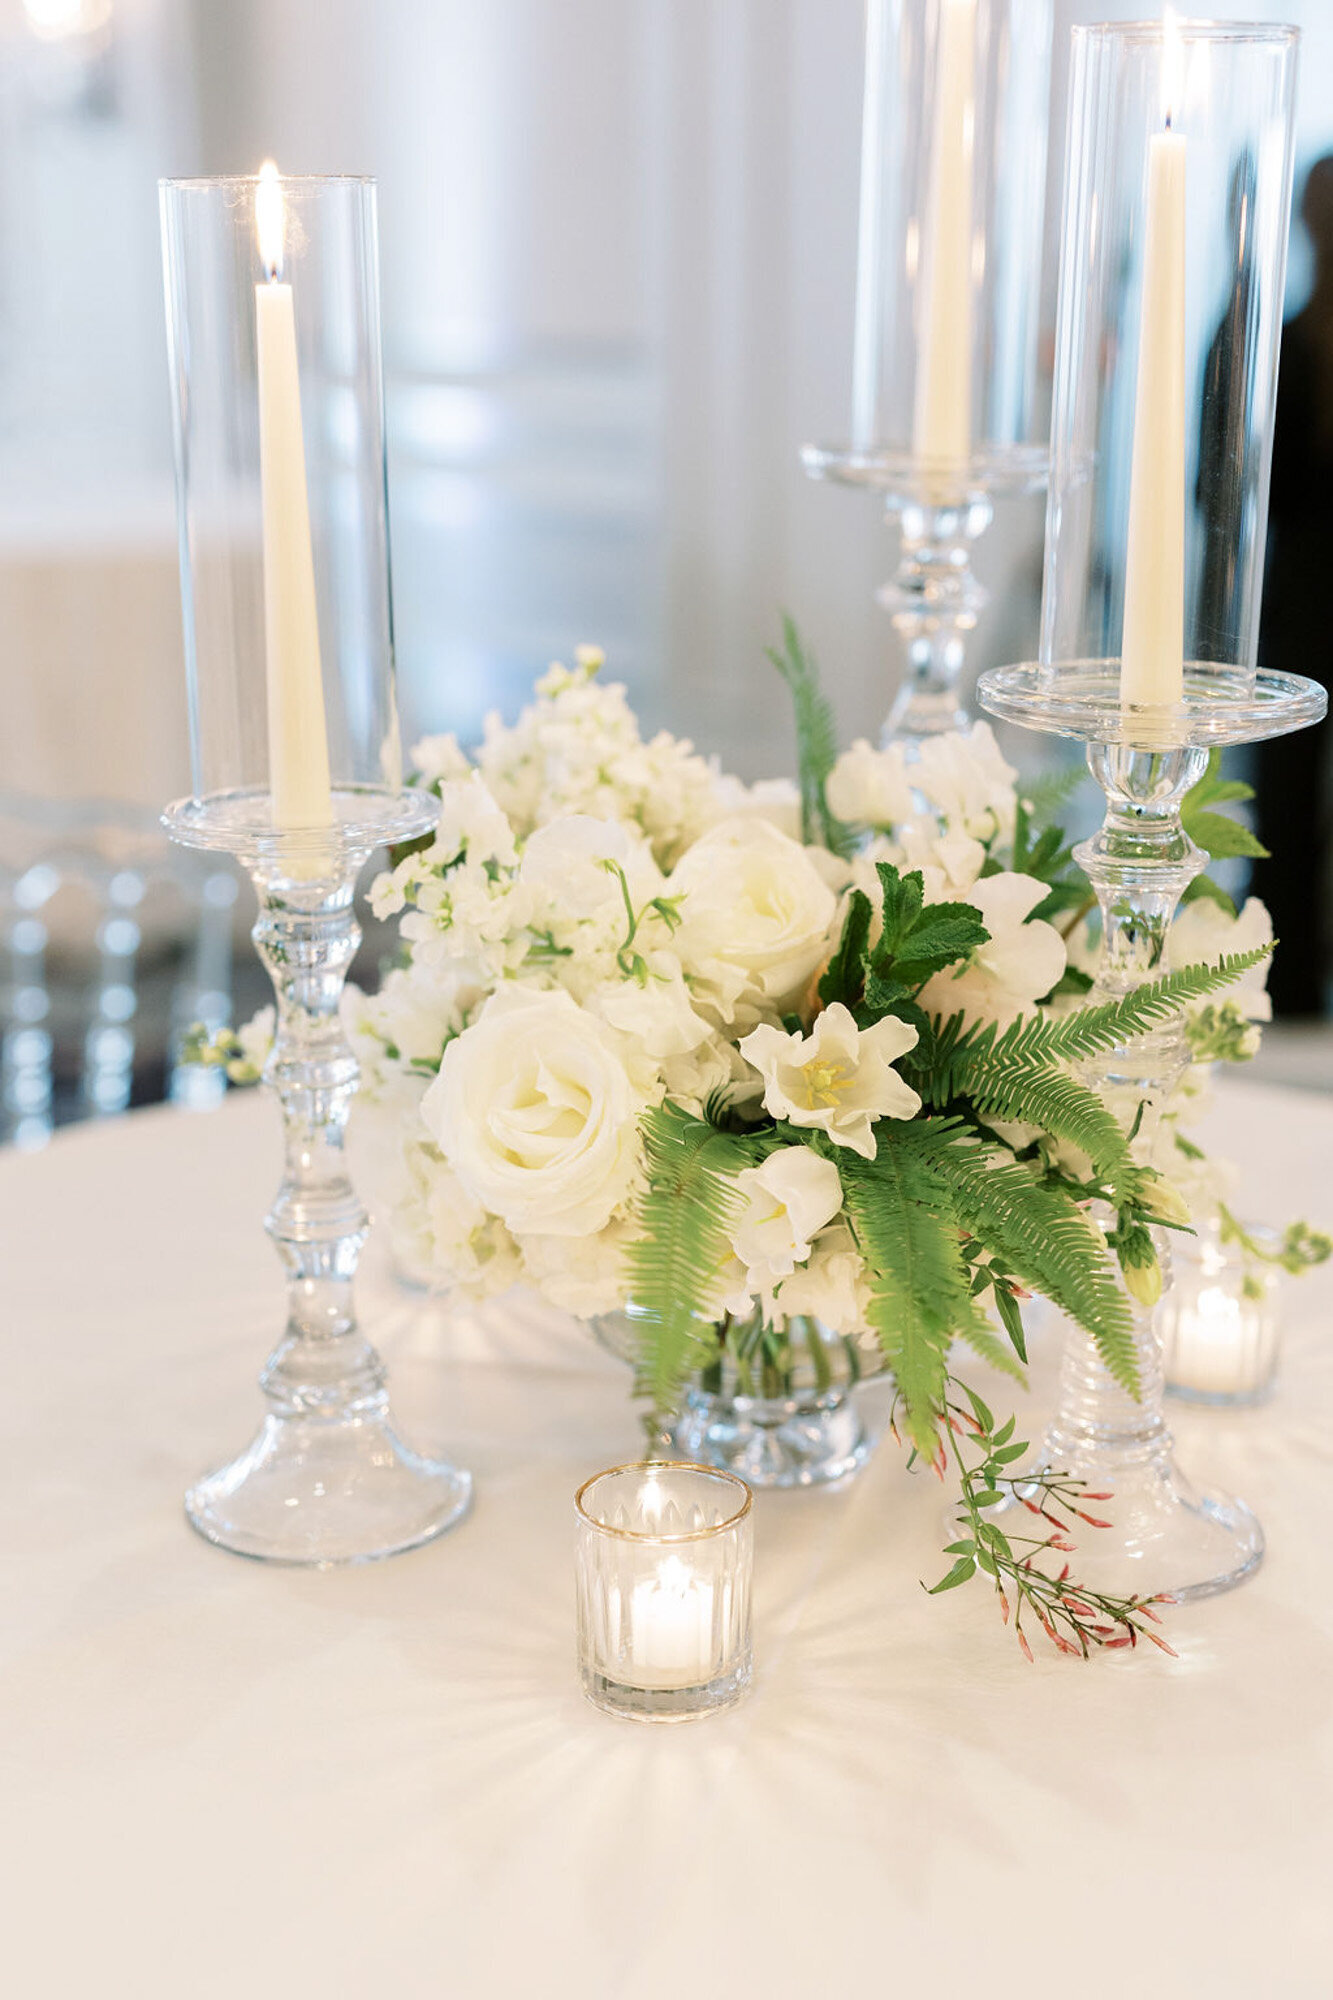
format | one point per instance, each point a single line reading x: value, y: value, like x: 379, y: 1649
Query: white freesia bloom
x: 837, y: 1079
x: 968, y: 781
x: 756, y: 918
x: 870, y: 787
x: 1019, y: 964
x: 788, y: 1200
x: 777, y: 800
x: 1203, y: 932
x: 535, y: 1110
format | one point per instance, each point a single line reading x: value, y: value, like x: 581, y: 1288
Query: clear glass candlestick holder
x: 663, y: 1569
x: 273, y: 329
x: 944, y: 369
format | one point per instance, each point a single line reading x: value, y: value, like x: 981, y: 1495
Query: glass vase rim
x: 1146, y: 33
x: 648, y: 1540
x: 201, y: 183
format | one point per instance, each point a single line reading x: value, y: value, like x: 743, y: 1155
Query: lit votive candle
x: 1220, y: 1325
x: 663, y: 1569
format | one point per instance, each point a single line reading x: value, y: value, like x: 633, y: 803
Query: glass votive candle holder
x: 1220, y: 1323
x: 665, y: 1553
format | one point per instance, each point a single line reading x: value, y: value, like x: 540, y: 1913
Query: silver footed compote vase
x: 326, y: 1479
x: 1166, y: 1534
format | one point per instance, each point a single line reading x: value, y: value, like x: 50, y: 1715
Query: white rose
x: 1019, y: 964
x: 756, y: 918
x: 870, y: 787
x: 535, y: 1110
x: 837, y: 1079
x: 788, y: 1200
x: 1203, y: 932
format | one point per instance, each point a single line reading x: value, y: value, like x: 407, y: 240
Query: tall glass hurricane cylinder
x: 1177, y: 203
x: 273, y: 331
x: 953, y: 174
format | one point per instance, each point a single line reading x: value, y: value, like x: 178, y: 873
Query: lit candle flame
x: 270, y: 219
x: 1173, y: 67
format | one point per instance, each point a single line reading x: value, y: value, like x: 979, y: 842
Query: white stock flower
x: 439, y: 759
x: 870, y: 787
x: 535, y: 1109
x: 1019, y: 964
x: 1203, y: 932
x: 756, y: 918
x: 582, y: 1275
x: 838, y: 1078
x: 443, y: 1227
x: 566, y: 861
x: 788, y: 1200
x: 471, y: 821
x: 968, y: 781
x: 832, y: 1286
x: 777, y: 800
x: 256, y: 1045
x: 659, y: 1014
x: 949, y: 862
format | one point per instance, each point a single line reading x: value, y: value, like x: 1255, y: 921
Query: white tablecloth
x: 223, y: 1779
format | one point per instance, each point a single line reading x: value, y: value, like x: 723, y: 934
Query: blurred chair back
x: 115, y: 942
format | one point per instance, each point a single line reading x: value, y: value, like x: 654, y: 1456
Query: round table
x: 225, y: 1779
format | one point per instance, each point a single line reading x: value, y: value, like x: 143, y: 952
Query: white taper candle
x: 297, y: 724
x: 942, y: 426
x: 1153, y: 643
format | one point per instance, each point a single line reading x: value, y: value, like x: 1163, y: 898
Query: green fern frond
x: 1047, y: 796
x: 816, y: 740
x: 993, y: 1350
x: 1041, y: 1235
x: 920, y: 1290
x: 685, y: 1214
x: 943, y: 1063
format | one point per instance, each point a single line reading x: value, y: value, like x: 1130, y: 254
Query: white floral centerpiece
x: 778, y: 1051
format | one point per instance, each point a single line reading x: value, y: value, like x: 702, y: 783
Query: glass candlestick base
x: 1165, y: 1536
x: 326, y: 1480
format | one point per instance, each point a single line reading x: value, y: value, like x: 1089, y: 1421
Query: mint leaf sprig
x: 1073, y: 1618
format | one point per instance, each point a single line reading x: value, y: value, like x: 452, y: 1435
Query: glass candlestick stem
x: 934, y: 601
x: 326, y: 1479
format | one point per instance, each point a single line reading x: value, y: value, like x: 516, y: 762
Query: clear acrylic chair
x: 84, y: 886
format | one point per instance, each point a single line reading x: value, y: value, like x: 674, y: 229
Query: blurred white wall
x: 618, y: 247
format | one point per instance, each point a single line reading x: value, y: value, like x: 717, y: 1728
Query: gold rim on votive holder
x: 644, y: 1465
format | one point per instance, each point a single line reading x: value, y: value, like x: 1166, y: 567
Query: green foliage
x: 1204, y: 889
x: 688, y: 1207
x: 844, y: 978
x: 1040, y: 1235
x: 1046, y: 797
x: 816, y: 741
x: 921, y: 1295
x: 917, y: 939
x: 1301, y: 1248
x: 1220, y: 835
